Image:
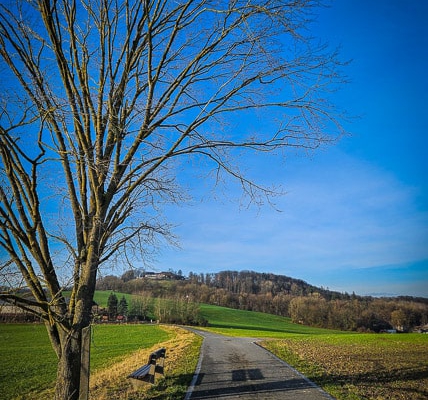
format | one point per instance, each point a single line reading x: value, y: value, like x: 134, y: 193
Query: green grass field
x: 101, y: 296
x: 27, y: 362
x: 254, y: 324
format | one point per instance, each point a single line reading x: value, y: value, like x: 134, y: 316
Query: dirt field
x: 393, y: 367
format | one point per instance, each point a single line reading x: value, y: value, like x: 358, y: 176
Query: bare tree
x: 102, y: 99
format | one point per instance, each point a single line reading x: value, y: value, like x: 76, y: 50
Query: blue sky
x: 355, y: 217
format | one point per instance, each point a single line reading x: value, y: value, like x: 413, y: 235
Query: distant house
x: 152, y: 275
x: 121, y: 318
x: 161, y: 276
x: 422, y: 329
x: 12, y: 313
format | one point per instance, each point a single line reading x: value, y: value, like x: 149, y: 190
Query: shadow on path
x: 236, y: 368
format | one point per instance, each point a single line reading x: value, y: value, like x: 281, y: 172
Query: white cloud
x: 340, y: 213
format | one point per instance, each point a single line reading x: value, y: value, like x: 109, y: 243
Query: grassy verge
x: 182, y: 353
x: 360, y: 366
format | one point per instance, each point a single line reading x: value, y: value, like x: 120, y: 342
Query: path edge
x: 198, y: 367
x: 305, y: 378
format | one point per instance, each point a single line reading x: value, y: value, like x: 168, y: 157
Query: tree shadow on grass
x: 171, y: 387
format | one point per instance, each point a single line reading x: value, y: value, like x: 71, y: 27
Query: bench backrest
x: 157, y: 358
x: 155, y: 365
x: 156, y: 355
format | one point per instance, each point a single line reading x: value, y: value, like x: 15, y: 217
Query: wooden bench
x: 155, y: 365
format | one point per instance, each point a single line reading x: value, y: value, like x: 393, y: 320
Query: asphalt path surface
x: 237, y: 368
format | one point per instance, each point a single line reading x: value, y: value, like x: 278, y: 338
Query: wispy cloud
x: 356, y: 222
x: 339, y: 214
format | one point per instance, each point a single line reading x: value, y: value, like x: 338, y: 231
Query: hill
x: 280, y: 295
x: 254, y: 324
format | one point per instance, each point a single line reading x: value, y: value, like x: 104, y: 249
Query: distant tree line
x: 280, y: 295
x: 173, y: 309
x: 359, y: 314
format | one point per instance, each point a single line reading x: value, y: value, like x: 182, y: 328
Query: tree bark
x: 70, y: 337
x: 69, y: 366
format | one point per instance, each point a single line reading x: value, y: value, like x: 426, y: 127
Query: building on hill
x: 161, y: 276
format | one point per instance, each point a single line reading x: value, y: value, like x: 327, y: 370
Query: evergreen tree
x: 112, y: 305
x: 122, y: 308
x: 140, y: 306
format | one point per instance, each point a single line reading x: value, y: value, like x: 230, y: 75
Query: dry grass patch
x: 181, y: 358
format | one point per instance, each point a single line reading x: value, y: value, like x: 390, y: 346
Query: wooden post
x: 85, y: 362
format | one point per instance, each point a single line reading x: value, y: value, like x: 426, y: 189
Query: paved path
x: 237, y: 368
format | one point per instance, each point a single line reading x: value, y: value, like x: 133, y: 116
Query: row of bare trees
x: 376, y: 315
x: 175, y: 309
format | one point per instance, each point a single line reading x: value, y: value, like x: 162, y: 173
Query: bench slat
x: 141, y: 372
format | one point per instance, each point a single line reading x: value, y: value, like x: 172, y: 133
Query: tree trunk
x: 69, y: 366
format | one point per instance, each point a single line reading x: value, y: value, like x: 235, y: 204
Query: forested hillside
x: 280, y: 295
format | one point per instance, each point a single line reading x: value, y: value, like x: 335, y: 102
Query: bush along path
x: 237, y: 368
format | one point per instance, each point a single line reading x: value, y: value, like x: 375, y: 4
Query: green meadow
x: 254, y: 324
x: 101, y: 296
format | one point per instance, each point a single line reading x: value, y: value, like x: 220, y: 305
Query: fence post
x: 85, y: 360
